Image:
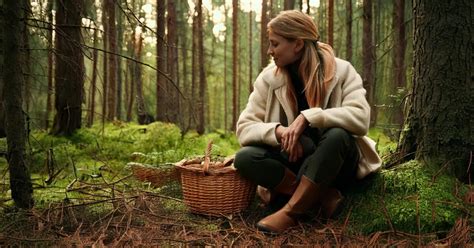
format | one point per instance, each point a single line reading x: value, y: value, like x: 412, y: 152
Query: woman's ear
x: 299, y: 45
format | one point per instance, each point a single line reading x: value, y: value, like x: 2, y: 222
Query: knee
x: 338, y: 135
x: 244, y: 158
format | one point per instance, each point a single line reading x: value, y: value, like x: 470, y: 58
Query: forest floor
x: 158, y: 218
x: 86, y: 196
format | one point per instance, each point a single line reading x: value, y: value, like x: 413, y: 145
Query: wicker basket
x: 214, y: 189
x: 155, y: 176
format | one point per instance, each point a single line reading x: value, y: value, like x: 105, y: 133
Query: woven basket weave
x: 214, y: 189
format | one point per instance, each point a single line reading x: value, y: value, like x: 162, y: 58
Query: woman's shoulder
x: 270, y: 76
x: 269, y: 71
x: 342, y: 64
x: 343, y: 67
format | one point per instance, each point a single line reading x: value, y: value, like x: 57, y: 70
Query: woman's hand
x: 289, y: 137
x: 296, y: 153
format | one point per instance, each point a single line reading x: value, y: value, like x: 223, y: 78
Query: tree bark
x: 202, y: 76
x: 118, y: 102
x: 69, y: 75
x: 438, y: 128
x: 26, y: 57
x: 2, y: 53
x: 112, y: 61
x: 92, y: 90
x: 131, y: 81
x: 331, y: 22
x: 263, y: 36
x: 235, y: 60
x: 322, y: 16
x: 368, y: 57
x: 250, y: 52
x: 226, y: 107
x: 289, y: 4
x: 172, y: 94
x: 20, y: 182
x: 349, y: 30
x: 185, y: 85
x: 399, y: 53
x: 105, y: 35
x: 49, y: 94
x: 161, y: 81
x: 143, y: 116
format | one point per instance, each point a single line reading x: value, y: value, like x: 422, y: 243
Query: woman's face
x: 283, y: 51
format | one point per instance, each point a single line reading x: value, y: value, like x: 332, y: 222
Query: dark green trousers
x: 330, y: 157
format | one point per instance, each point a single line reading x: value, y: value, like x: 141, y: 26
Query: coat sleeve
x: 353, y: 114
x: 251, y: 126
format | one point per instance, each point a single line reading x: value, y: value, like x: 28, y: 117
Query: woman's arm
x: 354, y: 112
x: 251, y: 127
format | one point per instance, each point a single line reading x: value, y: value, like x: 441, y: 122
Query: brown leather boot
x: 331, y: 203
x: 286, y: 186
x: 306, y: 194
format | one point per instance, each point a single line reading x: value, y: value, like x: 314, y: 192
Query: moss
x: 101, y: 152
x: 400, y: 197
x: 384, y: 145
x: 407, y: 199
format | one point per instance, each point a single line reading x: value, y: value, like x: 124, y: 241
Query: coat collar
x: 277, y: 82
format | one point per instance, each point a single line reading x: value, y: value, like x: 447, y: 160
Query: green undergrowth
x: 412, y: 197
x: 156, y: 143
x: 100, y: 154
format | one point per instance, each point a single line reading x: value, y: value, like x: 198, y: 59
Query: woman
x: 303, y: 130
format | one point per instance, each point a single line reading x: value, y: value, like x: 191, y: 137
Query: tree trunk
x: 399, y: 48
x: 105, y: 35
x: 331, y: 22
x: 143, y: 116
x: 172, y: 94
x: 376, y: 34
x: 368, y: 57
x: 112, y: 62
x: 264, y: 36
x: 131, y: 71
x: 438, y: 128
x: 250, y: 53
x: 131, y: 81
x: 20, y: 182
x: 226, y: 107
x: 194, y: 73
x: 92, y: 90
x: 69, y: 76
x: 183, y: 40
x: 202, y: 76
x: 235, y: 60
x: 349, y: 30
x: 289, y: 4
x: 322, y: 16
x: 161, y: 81
x: 2, y: 53
x: 26, y: 57
x: 49, y: 94
x: 118, y: 102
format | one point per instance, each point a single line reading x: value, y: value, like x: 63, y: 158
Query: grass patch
x: 410, y: 198
x: 405, y: 198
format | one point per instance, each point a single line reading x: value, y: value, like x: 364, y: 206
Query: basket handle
x: 207, y: 158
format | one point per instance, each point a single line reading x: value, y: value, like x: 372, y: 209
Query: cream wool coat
x: 345, y: 106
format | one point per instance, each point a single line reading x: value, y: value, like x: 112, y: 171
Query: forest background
x: 84, y: 72
x: 139, y: 62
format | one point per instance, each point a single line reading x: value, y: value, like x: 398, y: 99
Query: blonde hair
x: 293, y: 25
